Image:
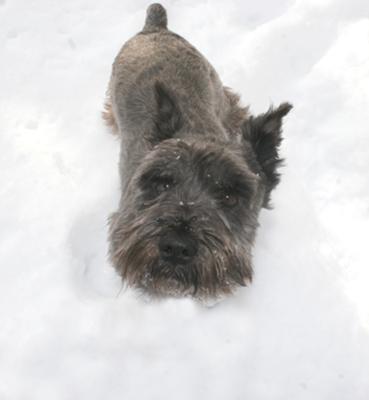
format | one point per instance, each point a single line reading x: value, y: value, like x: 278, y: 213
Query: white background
x: 301, y: 331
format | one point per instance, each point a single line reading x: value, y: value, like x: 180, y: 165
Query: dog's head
x: 189, y: 213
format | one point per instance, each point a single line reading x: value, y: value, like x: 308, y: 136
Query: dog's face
x: 189, y: 213
x: 188, y: 221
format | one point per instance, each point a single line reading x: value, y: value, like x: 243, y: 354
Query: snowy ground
x: 301, y: 331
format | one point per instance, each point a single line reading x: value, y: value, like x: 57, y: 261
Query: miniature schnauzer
x: 195, y: 168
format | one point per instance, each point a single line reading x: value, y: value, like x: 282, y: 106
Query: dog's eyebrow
x: 232, y: 179
x: 153, y: 172
x: 240, y: 183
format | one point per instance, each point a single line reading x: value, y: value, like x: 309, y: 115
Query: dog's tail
x: 156, y: 18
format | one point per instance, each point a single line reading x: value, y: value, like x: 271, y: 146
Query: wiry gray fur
x: 194, y: 165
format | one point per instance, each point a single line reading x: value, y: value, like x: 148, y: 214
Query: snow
x: 68, y: 329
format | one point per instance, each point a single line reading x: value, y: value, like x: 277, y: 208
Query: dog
x: 195, y: 168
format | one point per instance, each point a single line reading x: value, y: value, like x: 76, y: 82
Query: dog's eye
x: 230, y: 200
x: 163, y: 185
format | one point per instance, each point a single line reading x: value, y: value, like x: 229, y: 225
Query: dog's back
x: 157, y: 70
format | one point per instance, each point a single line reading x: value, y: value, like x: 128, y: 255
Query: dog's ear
x: 264, y: 134
x: 168, y: 118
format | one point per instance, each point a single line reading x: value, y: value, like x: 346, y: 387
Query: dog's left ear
x: 264, y: 134
x: 167, y: 118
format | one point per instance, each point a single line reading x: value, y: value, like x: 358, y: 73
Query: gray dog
x: 195, y: 168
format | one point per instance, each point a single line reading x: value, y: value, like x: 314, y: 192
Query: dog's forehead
x: 204, y: 159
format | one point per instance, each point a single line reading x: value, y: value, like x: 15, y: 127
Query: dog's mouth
x: 163, y: 276
x: 197, y: 279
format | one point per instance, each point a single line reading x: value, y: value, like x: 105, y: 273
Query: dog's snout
x: 177, y: 249
x: 178, y: 224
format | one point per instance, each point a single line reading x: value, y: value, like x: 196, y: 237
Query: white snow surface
x: 68, y: 331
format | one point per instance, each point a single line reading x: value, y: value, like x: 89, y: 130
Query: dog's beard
x: 221, y: 265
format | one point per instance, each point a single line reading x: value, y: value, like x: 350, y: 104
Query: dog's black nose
x: 177, y: 249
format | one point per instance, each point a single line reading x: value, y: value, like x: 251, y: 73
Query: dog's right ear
x: 167, y: 118
x: 264, y: 134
